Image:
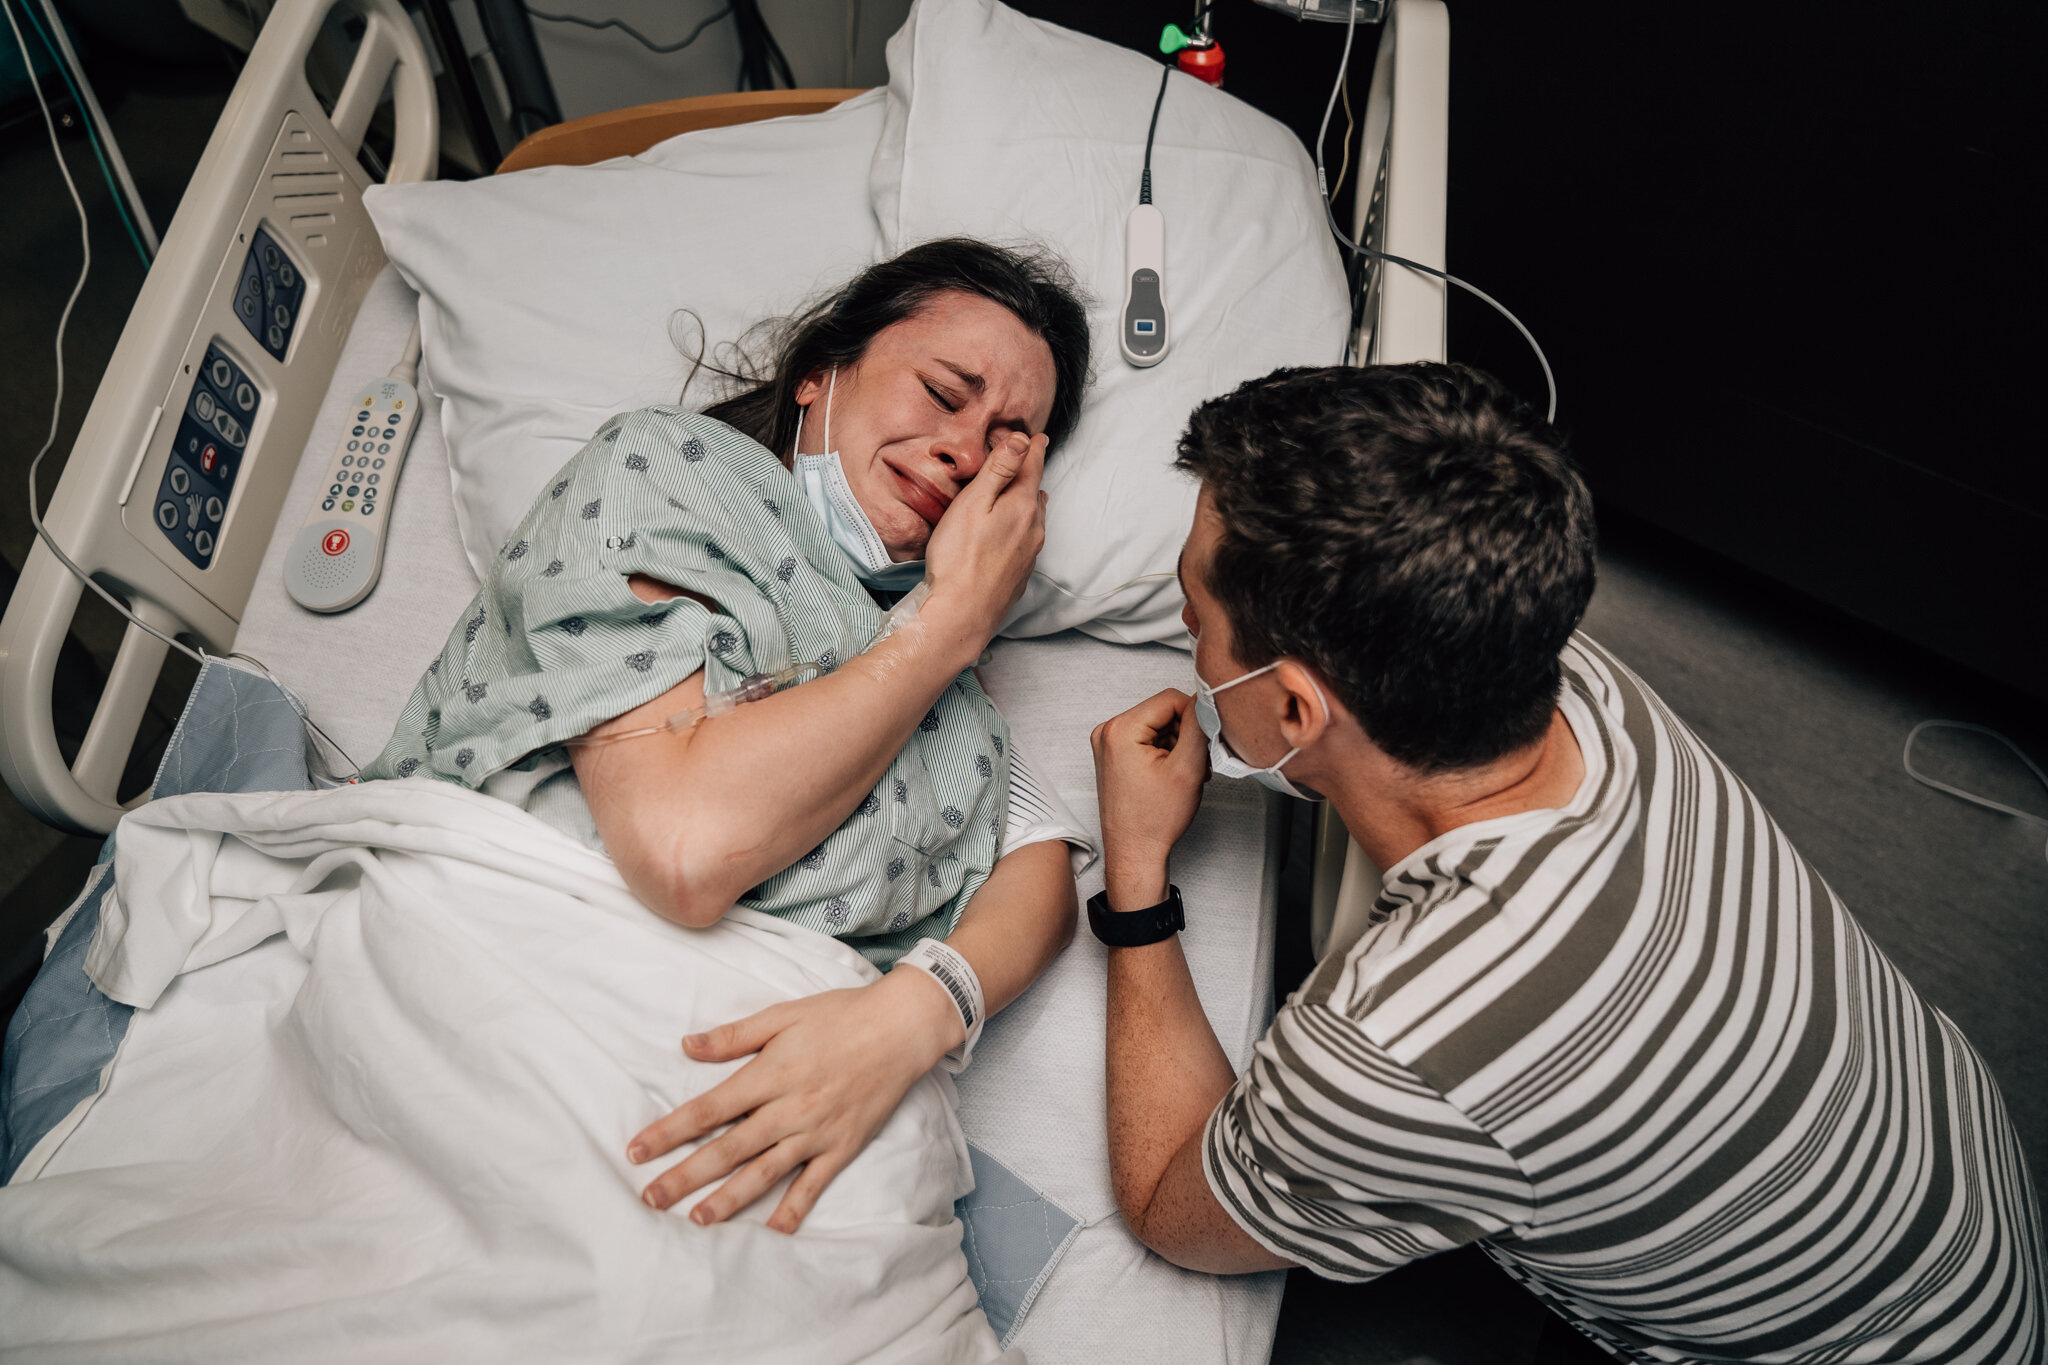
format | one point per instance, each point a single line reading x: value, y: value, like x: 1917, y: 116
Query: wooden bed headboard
x: 628, y: 132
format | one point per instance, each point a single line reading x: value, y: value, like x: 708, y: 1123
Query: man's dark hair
x: 835, y: 330
x: 1413, y: 533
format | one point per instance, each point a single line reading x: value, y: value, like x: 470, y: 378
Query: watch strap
x: 1136, y: 928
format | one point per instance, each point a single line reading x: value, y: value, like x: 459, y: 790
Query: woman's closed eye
x: 945, y: 400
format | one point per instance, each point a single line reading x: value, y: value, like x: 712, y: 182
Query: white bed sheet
x: 1033, y: 1098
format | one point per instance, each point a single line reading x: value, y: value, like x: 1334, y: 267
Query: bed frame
x: 284, y: 163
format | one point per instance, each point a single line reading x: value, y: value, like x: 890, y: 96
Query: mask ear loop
x: 1321, y: 701
x: 796, y: 443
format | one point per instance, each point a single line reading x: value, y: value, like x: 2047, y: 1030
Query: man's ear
x: 1310, y: 709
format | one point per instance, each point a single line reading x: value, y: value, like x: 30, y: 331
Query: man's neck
x: 1392, y: 811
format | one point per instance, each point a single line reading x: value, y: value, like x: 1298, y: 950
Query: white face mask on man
x: 1222, y: 761
x: 823, y: 480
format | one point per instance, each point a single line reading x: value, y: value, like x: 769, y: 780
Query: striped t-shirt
x: 1638, y: 1051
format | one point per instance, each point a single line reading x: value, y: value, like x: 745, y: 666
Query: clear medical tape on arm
x: 963, y: 987
x: 2038, y: 821
x: 760, y: 686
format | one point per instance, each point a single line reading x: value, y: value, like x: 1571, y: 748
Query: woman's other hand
x: 828, y: 1072
x: 983, y: 549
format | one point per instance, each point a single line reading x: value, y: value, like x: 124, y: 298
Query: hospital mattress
x: 1062, y: 1277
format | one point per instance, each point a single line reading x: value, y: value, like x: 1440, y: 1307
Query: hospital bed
x: 282, y: 173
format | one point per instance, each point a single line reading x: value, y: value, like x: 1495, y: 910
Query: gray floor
x: 1809, y: 708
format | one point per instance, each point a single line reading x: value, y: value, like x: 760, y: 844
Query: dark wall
x: 1787, y: 263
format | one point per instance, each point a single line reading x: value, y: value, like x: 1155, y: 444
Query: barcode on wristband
x: 950, y: 979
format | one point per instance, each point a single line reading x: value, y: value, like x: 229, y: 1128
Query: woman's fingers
x: 802, y: 1195
x: 748, y: 1183
x: 743, y: 1142
x: 729, y: 1042
x: 740, y: 1093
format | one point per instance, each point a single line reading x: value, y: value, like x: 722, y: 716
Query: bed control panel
x: 213, y: 435
x: 267, y: 299
x: 336, y: 557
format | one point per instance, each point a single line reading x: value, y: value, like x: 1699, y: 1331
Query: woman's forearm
x: 1020, y: 920
x: 695, y: 819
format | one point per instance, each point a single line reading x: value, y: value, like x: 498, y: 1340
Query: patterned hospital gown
x: 556, y: 643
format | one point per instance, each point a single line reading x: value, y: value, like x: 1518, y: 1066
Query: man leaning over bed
x: 1603, y: 1021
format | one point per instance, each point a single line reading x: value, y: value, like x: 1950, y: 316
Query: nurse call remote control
x: 335, y: 560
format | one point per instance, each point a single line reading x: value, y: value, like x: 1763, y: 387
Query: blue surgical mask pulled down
x: 1222, y: 761
x: 823, y: 480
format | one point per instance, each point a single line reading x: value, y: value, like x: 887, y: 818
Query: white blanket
x: 390, y: 1042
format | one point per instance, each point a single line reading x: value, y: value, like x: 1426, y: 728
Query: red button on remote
x: 208, y: 458
x: 334, y: 542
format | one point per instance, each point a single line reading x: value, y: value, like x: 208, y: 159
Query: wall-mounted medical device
x: 184, y: 459
x: 1142, y: 333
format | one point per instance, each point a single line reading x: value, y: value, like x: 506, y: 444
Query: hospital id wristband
x: 952, y: 971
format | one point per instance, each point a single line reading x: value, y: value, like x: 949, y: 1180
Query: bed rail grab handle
x: 391, y: 49
x: 77, y: 797
x: 185, y: 305
x: 103, y: 755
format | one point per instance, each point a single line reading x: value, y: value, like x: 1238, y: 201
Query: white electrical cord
x: 1323, y: 184
x: 1924, y: 780
x: 57, y: 402
x: 106, y: 130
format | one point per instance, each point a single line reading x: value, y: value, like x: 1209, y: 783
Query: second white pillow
x: 548, y: 297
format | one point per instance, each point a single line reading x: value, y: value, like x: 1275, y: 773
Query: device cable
x: 408, y: 366
x: 92, y: 136
x: 1924, y: 780
x: 95, y: 115
x: 660, y: 49
x: 1329, y: 210
x: 57, y: 402
x: 1145, y: 181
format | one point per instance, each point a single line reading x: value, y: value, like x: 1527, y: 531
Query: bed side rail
x: 1404, y: 162
x: 181, y: 467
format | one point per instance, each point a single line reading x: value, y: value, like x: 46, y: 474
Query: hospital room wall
x: 1785, y: 264
x: 1788, y: 270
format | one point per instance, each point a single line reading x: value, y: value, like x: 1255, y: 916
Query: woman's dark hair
x: 835, y: 331
x: 1413, y: 533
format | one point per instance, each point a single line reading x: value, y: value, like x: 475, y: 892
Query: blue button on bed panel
x: 269, y: 295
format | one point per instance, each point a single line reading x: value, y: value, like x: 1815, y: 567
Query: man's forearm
x: 1166, y: 1071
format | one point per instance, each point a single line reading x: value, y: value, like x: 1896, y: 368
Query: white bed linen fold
x: 390, y: 1042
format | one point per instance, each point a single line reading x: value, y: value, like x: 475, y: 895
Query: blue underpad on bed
x: 241, y: 732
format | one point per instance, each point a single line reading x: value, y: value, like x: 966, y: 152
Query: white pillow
x: 1009, y: 129
x: 547, y: 296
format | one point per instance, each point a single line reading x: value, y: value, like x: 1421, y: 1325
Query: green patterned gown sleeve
x: 556, y: 643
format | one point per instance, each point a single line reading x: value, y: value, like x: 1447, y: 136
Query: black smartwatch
x: 1136, y: 928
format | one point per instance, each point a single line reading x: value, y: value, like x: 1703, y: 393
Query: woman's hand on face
x: 982, y: 551
x: 829, y: 1071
